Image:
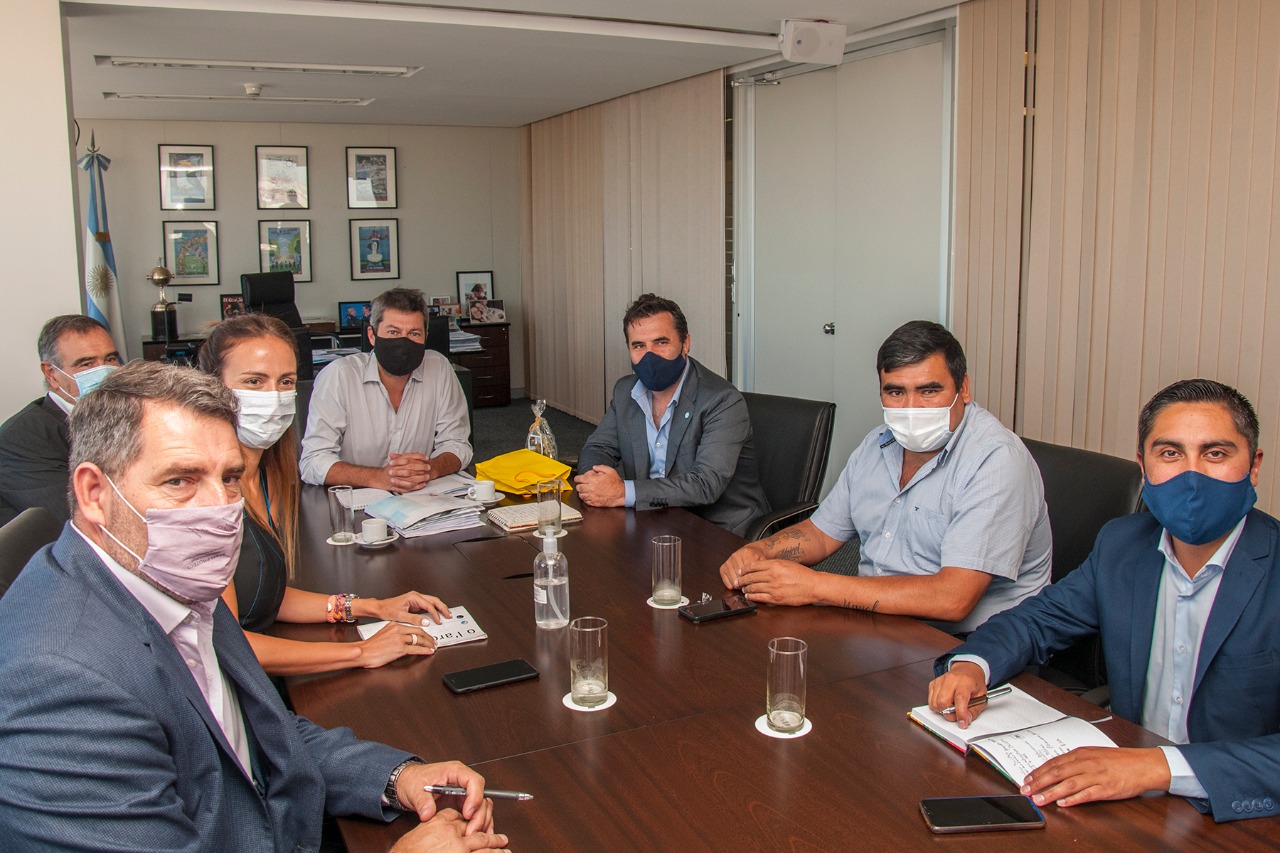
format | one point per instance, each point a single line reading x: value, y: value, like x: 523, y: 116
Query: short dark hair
x: 649, y: 304
x: 63, y: 324
x: 913, y: 342
x: 399, y: 299
x: 1201, y: 391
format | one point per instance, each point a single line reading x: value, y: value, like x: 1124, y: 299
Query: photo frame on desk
x: 351, y: 315
x: 282, y: 176
x: 473, y: 286
x: 232, y: 305
x: 186, y: 177
x: 371, y: 177
x: 285, y: 246
x: 375, y: 249
x: 191, y: 252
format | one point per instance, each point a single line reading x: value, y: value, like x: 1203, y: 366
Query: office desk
x: 677, y: 762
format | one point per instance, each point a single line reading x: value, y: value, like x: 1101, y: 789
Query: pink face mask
x: 191, y: 551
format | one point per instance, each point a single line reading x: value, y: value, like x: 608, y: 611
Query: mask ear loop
x: 104, y: 528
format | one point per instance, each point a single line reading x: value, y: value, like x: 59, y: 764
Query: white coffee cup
x: 483, y: 490
x: 373, y: 530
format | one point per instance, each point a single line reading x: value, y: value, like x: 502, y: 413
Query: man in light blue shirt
x: 674, y: 435
x: 1185, y: 600
x: 947, y: 503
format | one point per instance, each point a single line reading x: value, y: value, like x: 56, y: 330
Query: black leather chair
x: 1083, y: 490
x: 271, y: 293
x: 20, y: 538
x: 793, y: 441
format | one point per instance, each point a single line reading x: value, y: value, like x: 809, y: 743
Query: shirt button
x: 191, y: 662
x: 888, y: 534
x: 1177, y: 700
x: 1182, y: 650
x: 898, y: 502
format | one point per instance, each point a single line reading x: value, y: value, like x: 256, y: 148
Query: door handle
x: 829, y: 329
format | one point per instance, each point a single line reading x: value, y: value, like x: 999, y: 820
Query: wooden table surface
x: 677, y: 763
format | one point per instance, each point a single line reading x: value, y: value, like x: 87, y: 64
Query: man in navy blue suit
x: 133, y: 713
x: 1186, y: 600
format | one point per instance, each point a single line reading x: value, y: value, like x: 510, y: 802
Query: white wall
x: 459, y: 209
x: 38, y: 231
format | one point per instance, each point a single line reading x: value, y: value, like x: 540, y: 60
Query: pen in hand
x: 492, y: 794
x: 979, y: 701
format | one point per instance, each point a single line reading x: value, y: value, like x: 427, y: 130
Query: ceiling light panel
x: 249, y: 65
x: 258, y: 99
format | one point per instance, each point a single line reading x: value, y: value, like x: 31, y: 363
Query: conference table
x: 676, y: 763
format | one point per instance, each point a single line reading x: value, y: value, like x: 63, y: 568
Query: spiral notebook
x: 520, y: 517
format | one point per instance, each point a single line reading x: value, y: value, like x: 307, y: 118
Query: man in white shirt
x: 76, y: 353
x: 392, y: 419
x: 1185, y: 600
x: 133, y: 711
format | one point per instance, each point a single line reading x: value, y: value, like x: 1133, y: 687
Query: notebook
x: 460, y: 627
x: 524, y: 516
x: 1016, y: 733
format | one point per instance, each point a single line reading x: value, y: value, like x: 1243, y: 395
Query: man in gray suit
x: 676, y: 434
x: 76, y: 353
x: 133, y: 713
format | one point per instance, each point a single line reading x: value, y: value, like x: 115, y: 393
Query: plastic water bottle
x: 550, y: 586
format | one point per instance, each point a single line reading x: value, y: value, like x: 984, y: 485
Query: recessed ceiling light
x: 249, y: 65
x: 257, y: 99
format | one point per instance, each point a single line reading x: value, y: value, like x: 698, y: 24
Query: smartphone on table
x: 981, y: 814
x: 705, y: 611
x: 493, y: 675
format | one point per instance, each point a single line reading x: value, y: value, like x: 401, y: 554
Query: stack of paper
x: 460, y: 341
x: 423, y: 515
x: 456, y: 485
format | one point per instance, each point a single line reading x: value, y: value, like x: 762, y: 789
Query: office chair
x: 271, y: 293
x: 20, y: 538
x: 793, y: 441
x: 1083, y: 491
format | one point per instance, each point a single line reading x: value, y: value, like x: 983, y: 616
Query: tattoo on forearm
x: 869, y: 608
x: 773, y: 544
x: 792, y: 553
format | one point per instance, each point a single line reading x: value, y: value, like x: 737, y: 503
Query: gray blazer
x: 109, y: 744
x: 711, y: 460
x: 34, y: 446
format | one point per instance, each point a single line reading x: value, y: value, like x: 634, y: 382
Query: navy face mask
x: 1197, y: 509
x: 657, y: 373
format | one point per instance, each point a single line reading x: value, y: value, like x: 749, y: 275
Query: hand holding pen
x: 980, y: 701
x: 961, y: 692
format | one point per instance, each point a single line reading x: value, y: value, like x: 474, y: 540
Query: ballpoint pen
x: 982, y: 700
x: 491, y: 793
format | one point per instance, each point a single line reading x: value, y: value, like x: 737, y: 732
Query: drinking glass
x: 785, y: 691
x: 341, y: 515
x: 666, y: 570
x: 589, y: 661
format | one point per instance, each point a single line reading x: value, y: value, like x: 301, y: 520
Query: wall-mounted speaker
x: 812, y: 42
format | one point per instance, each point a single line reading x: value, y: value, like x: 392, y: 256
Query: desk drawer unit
x: 491, y: 368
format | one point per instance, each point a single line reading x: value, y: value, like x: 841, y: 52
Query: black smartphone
x: 732, y: 605
x: 981, y: 814
x: 493, y: 675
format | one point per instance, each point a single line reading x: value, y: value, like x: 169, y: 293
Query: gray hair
x: 63, y: 324
x: 106, y: 425
x: 398, y: 299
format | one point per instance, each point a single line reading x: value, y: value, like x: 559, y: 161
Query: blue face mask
x: 1197, y: 509
x: 657, y: 373
x: 87, y: 380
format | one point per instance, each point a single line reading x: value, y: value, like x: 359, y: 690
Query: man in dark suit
x: 133, y: 713
x: 674, y: 435
x: 1185, y: 599
x: 74, y: 350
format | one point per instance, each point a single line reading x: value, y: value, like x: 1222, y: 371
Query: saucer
x: 381, y: 543
x: 497, y: 500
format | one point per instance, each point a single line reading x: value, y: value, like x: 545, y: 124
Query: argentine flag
x: 102, y: 298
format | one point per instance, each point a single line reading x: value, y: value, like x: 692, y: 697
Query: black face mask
x: 398, y: 356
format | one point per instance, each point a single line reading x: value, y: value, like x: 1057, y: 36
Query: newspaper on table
x: 423, y: 515
x: 456, y: 485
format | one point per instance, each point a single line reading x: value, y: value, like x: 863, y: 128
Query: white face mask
x: 264, y: 416
x: 920, y: 430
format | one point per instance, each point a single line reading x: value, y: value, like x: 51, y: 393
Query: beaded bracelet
x: 339, y: 607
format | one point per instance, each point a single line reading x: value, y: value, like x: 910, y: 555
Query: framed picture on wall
x: 474, y: 287
x: 352, y: 314
x: 191, y: 252
x: 375, y: 247
x: 285, y: 246
x: 186, y: 177
x: 282, y: 176
x: 371, y: 177
x: 232, y: 305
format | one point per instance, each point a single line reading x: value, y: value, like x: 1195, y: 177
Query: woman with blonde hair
x: 256, y: 357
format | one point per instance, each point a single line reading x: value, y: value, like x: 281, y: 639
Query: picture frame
x: 282, y: 176
x: 450, y: 309
x: 232, y: 305
x: 371, y: 178
x: 186, y: 177
x: 351, y: 315
x: 473, y: 286
x: 191, y: 252
x: 375, y: 249
x: 284, y: 245
x: 486, y: 311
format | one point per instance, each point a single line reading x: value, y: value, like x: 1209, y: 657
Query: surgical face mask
x: 921, y: 430
x: 1196, y: 508
x: 657, y: 373
x: 264, y: 416
x: 399, y: 356
x: 88, y: 380
x: 192, y: 552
